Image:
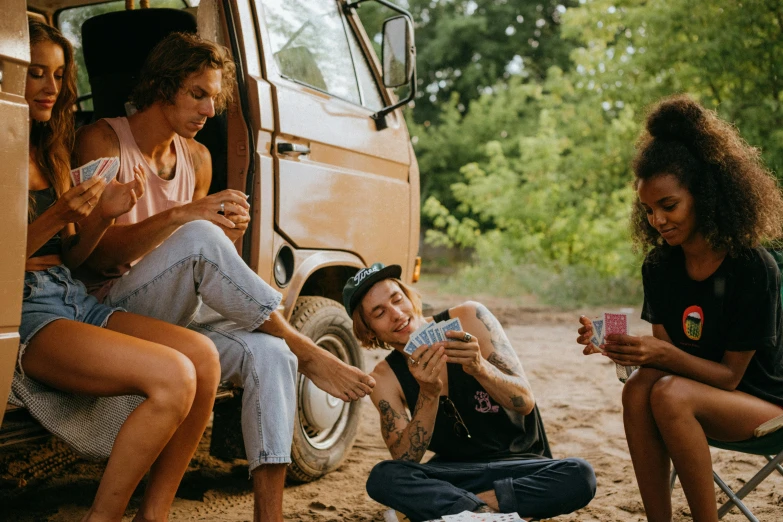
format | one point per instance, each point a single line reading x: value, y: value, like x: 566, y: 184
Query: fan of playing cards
x: 467, y: 516
x: 106, y: 167
x: 612, y: 324
x: 430, y: 333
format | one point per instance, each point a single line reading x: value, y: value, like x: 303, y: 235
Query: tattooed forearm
x: 502, y: 364
x: 418, y: 440
x: 388, y: 418
x: 497, y: 335
x: 506, y: 382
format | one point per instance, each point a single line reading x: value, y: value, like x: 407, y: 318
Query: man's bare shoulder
x: 467, y: 310
x: 96, y: 140
x: 200, y: 154
x: 387, y: 387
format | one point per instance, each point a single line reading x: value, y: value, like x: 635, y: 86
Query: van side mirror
x: 398, y: 51
x: 398, y: 56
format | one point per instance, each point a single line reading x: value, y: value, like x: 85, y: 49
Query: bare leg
x: 268, y: 484
x: 648, y: 451
x: 325, y: 370
x: 491, y: 500
x: 80, y: 358
x: 686, y: 412
x: 169, y: 468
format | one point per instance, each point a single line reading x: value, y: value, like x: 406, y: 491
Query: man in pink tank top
x: 174, y: 257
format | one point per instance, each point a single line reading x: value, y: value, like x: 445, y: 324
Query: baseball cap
x: 359, y: 284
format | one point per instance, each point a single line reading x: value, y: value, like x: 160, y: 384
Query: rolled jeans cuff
x: 504, y: 491
x: 469, y: 502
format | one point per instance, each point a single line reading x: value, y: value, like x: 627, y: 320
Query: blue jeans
x: 196, y: 279
x: 539, y: 488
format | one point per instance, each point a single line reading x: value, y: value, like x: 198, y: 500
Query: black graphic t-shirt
x: 737, y: 308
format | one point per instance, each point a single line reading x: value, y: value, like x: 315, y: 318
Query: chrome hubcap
x: 323, y: 417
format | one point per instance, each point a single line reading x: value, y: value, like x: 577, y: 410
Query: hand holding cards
x: 610, y: 324
x: 431, y: 333
x: 105, y: 167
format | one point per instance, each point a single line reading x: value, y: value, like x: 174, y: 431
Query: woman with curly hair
x: 111, y: 384
x: 713, y: 364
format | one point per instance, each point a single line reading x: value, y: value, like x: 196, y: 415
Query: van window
x: 70, y: 21
x: 309, y: 41
x: 371, y: 98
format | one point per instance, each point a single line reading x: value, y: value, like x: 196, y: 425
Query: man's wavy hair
x: 53, y: 140
x: 173, y: 60
x: 364, y: 333
x: 737, y: 200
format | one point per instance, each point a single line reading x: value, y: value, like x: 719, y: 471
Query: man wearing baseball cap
x: 470, y: 403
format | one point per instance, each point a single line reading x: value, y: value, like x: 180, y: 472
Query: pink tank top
x: 160, y: 194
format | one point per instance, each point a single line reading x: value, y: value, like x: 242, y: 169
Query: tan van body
x: 330, y: 192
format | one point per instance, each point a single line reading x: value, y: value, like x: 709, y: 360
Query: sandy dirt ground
x: 579, y: 399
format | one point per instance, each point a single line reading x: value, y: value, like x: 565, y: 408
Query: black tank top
x: 43, y: 200
x: 493, y: 435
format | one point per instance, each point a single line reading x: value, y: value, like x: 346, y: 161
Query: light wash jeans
x: 197, y: 279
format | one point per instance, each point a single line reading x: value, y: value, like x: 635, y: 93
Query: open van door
x: 14, y: 138
x: 340, y: 181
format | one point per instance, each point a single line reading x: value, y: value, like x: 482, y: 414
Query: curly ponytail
x: 738, y: 201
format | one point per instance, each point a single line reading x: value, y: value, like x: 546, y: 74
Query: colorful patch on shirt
x: 693, y: 322
x: 484, y: 405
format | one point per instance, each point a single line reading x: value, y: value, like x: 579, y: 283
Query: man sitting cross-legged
x: 470, y: 403
x: 179, y: 242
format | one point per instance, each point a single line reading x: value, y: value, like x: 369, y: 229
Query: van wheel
x: 325, y: 427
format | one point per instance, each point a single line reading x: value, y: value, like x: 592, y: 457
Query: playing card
x: 450, y: 325
x: 427, y: 332
x: 88, y: 170
x: 76, y: 176
x: 410, y: 348
x: 436, y: 332
x: 467, y: 516
x: 598, y: 333
x: 615, y: 324
x: 618, y: 324
x: 111, y: 170
x: 103, y: 162
x: 415, y: 340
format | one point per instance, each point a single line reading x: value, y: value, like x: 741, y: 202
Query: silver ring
x: 223, y: 207
x: 91, y: 205
x: 412, y: 361
x: 467, y: 337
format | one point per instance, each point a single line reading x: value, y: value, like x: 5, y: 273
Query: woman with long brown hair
x: 713, y: 366
x: 111, y: 384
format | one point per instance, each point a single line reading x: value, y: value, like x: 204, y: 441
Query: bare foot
x: 333, y: 376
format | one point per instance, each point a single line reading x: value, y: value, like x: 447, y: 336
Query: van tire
x: 316, y: 452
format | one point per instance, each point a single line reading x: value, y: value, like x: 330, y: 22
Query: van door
x: 341, y: 184
x: 14, y: 138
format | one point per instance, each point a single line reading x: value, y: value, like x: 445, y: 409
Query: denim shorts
x: 53, y: 294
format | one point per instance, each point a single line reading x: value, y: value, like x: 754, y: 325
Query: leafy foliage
x: 536, y: 169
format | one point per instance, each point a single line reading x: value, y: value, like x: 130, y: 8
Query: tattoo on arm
x: 518, y: 401
x: 504, y: 358
x: 418, y: 441
x: 416, y: 436
x: 502, y: 364
x: 505, y: 352
x: 388, y: 418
